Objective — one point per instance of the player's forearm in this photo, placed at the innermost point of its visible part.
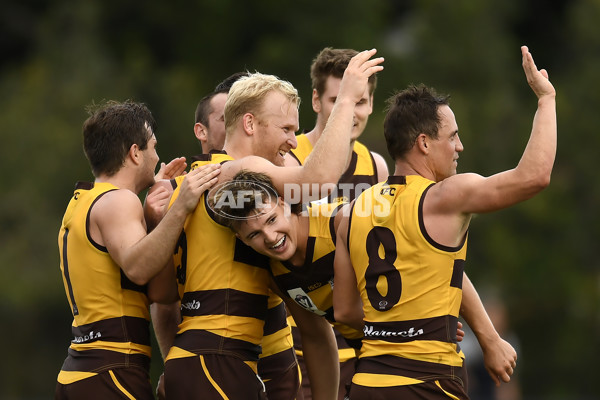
(474, 314)
(163, 287)
(535, 166)
(149, 256)
(322, 362)
(165, 321)
(329, 157)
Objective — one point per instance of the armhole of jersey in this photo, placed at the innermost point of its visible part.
(295, 158)
(432, 242)
(332, 222)
(87, 223)
(350, 222)
(349, 172)
(374, 164)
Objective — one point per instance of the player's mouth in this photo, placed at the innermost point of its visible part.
(280, 243)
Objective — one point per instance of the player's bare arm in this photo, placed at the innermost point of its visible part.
(319, 349)
(323, 166)
(472, 193)
(347, 305)
(500, 357)
(382, 168)
(142, 256)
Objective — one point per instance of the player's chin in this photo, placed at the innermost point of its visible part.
(278, 161)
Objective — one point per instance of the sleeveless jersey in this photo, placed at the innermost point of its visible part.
(110, 313)
(223, 286)
(277, 344)
(410, 286)
(360, 175)
(311, 285)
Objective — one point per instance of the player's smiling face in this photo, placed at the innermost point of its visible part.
(275, 128)
(445, 150)
(325, 102)
(270, 231)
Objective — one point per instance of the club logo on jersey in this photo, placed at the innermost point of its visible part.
(390, 191)
(304, 300)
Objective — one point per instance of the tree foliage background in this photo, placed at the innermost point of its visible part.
(539, 257)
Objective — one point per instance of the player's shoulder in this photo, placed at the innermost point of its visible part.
(381, 166)
(116, 205)
(119, 197)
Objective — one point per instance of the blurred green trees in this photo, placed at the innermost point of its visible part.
(539, 256)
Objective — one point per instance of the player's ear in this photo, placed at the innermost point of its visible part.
(249, 122)
(134, 154)
(200, 132)
(423, 143)
(316, 101)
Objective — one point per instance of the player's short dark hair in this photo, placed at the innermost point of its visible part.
(333, 62)
(411, 112)
(111, 129)
(203, 107)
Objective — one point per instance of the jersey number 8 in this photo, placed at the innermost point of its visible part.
(382, 267)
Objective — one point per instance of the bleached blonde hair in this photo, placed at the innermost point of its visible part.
(248, 93)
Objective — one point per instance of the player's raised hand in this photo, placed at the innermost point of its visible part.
(537, 79)
(357, 73)
(174, 168)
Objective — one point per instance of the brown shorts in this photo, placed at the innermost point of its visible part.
(120, 383)
(281, 375)
(443, 389)
(212, 377)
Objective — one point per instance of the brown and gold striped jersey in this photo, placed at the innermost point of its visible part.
(410, 286)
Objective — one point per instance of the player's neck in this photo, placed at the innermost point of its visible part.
(122, 180)
(406, 167)
(302, 229)
(236, 149)
(314, 135)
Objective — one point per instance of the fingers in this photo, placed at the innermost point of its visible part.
(507, 374)
(528, 64)
(503, 374)
(494, 377)
(195, 183)
(174, 168)
(161, 172)
(537, 79)
(208, 170)
(204, 176)
(159, 194)
(460, 334)
(363, 62)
